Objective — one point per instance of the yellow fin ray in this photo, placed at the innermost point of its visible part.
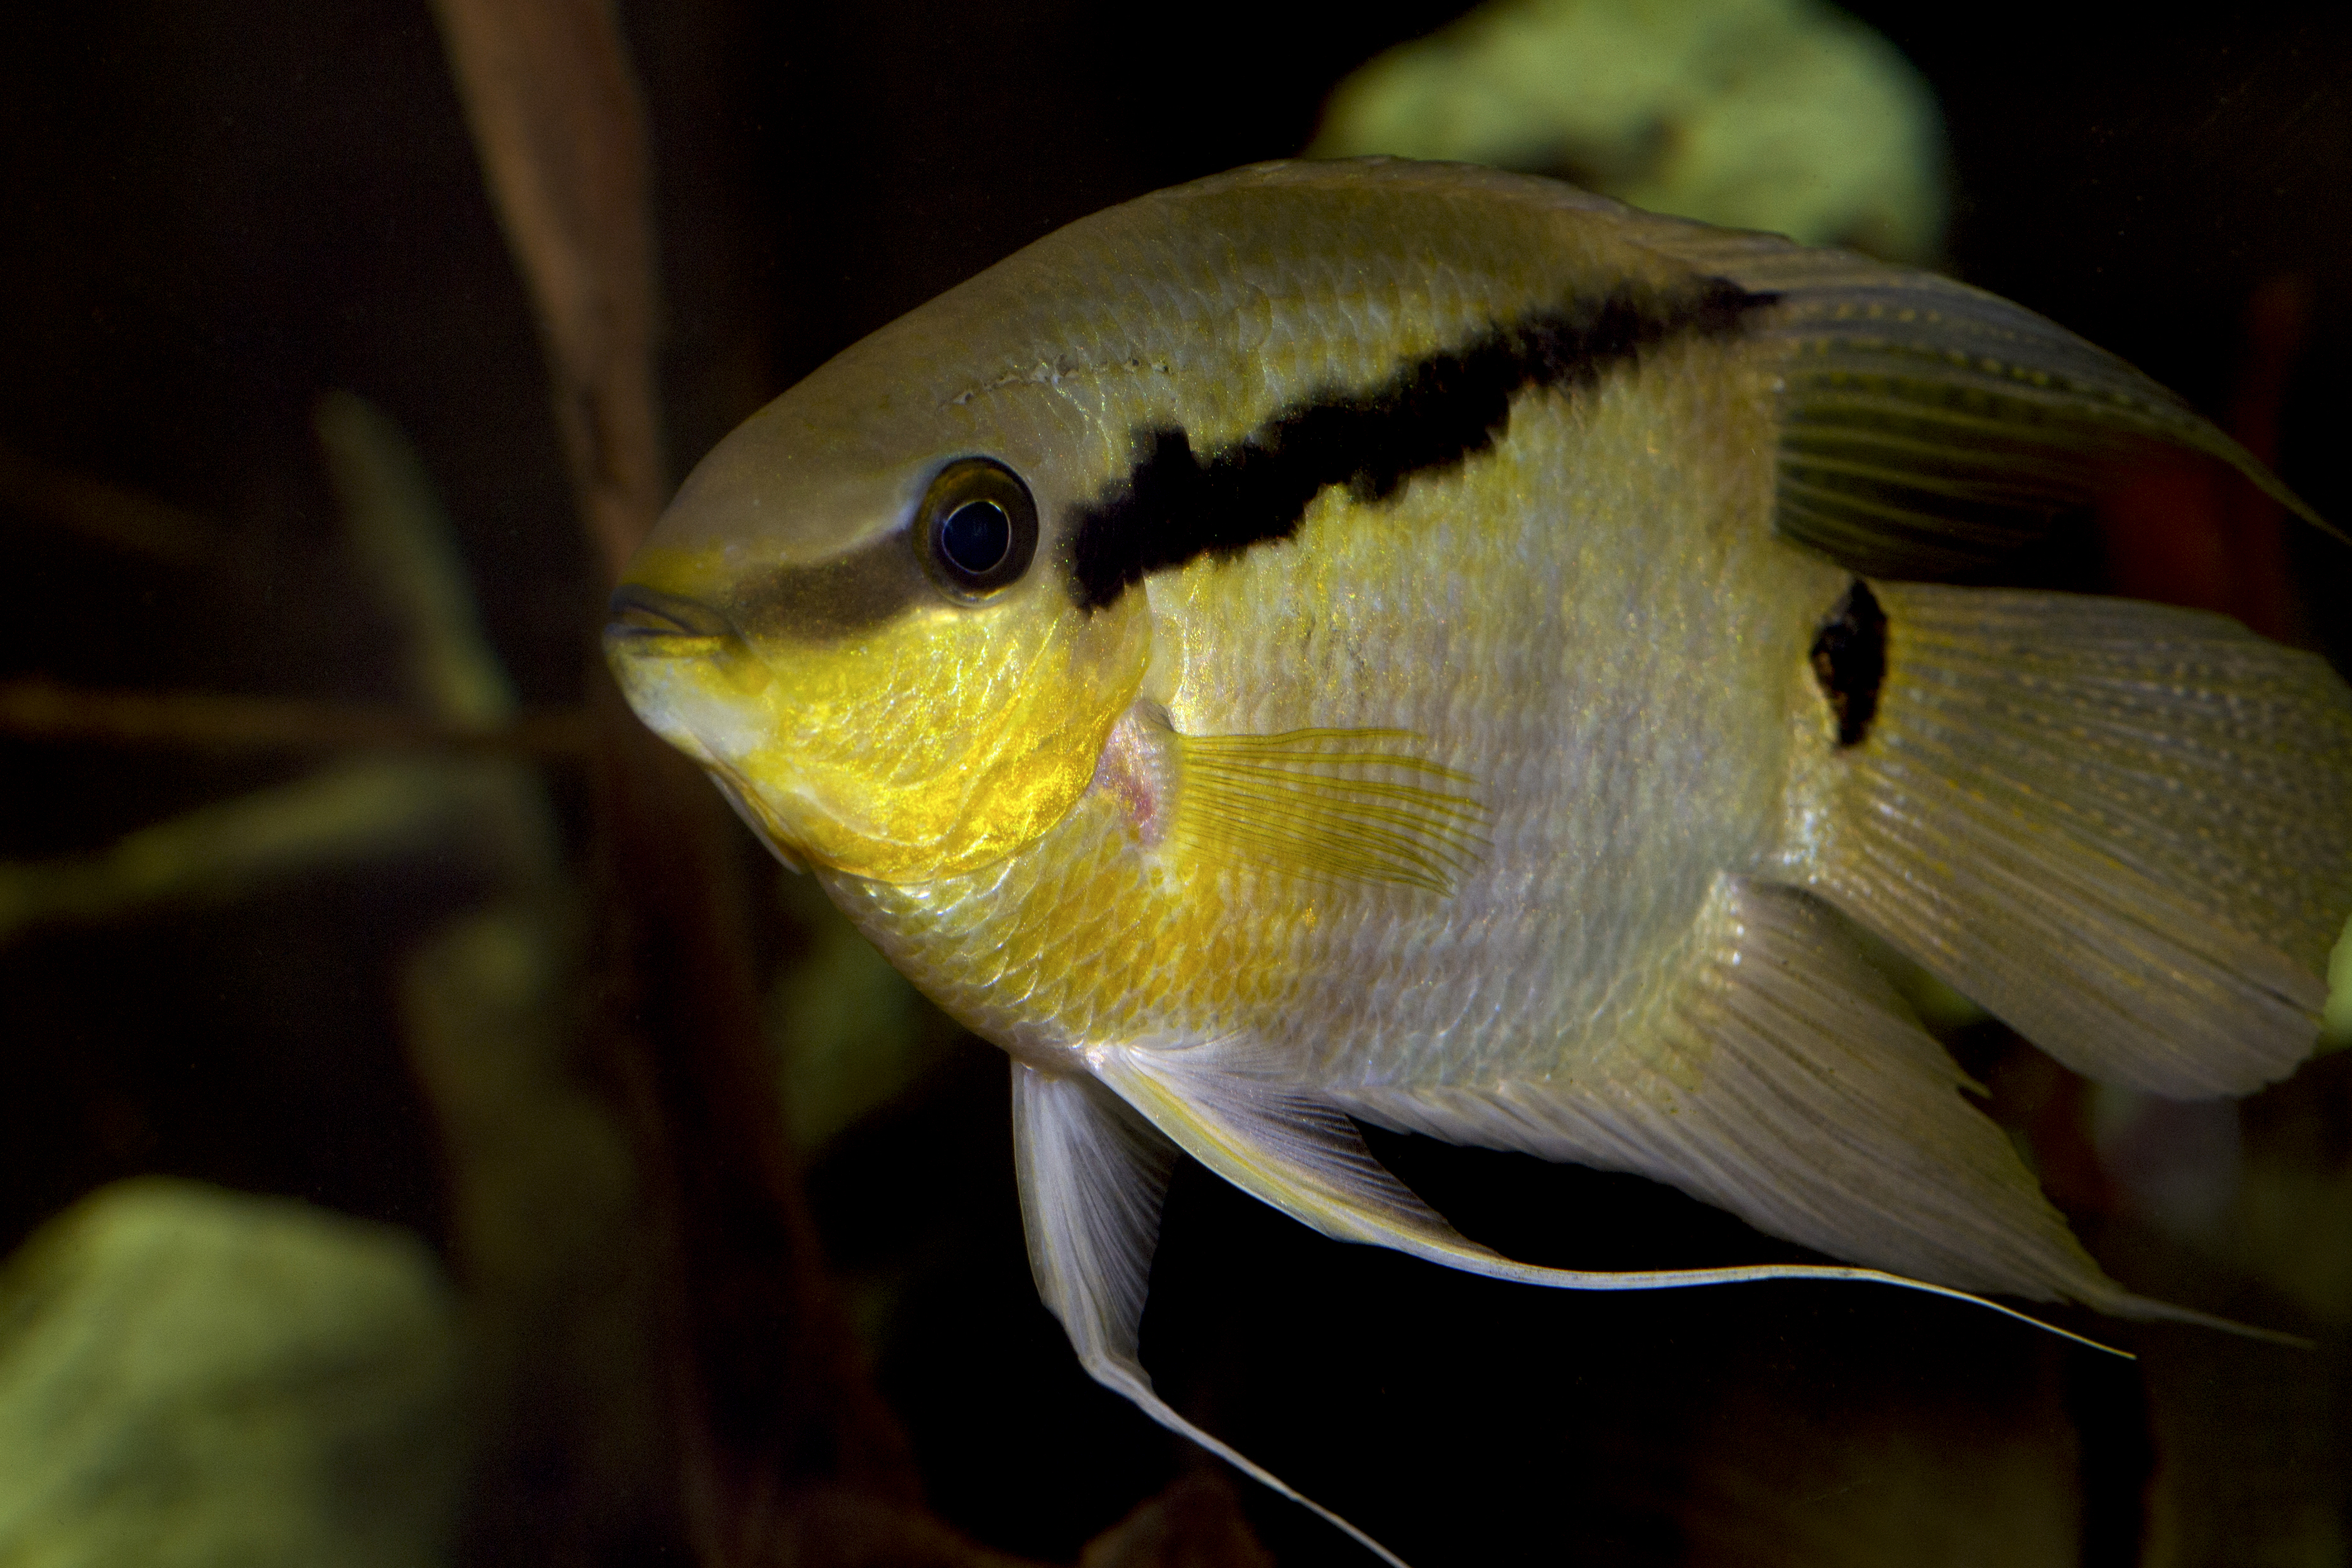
(1345, 804)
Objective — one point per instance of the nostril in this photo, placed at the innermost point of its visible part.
(640, 613)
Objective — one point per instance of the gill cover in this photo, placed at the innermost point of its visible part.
(847, 617)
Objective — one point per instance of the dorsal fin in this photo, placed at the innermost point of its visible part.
(1930, 429)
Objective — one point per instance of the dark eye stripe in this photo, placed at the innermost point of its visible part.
(834, 599)
(855, 592)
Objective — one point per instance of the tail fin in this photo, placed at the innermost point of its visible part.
(2124, 830)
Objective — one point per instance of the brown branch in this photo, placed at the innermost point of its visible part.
(772, 1394)
(560, 131)
(43, 709)
(771, 1403)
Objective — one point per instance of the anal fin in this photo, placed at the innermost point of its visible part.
(1788, 1083)
(1296, 1150)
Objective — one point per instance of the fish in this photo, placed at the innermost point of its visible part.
(1379, 643)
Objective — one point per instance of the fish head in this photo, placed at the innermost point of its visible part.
(856, 614)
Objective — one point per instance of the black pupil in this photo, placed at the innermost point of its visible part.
(976, 536)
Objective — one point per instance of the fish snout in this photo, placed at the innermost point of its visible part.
(688, 672)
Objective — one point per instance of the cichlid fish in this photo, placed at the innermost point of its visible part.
(1406, 644)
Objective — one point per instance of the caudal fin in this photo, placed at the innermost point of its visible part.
(2124, 830)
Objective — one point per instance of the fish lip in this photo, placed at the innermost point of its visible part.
(647, 620)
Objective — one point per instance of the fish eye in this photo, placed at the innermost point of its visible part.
(976, 537)
(977, 527)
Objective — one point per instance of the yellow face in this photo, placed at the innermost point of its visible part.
(872, 651)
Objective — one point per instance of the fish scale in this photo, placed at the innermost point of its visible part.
(1542, 697)
(1464, 656)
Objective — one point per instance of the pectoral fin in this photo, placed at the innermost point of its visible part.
(1344, 805)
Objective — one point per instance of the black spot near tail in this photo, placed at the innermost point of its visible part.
(1850, 662)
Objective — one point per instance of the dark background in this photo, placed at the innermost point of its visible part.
(209, 215)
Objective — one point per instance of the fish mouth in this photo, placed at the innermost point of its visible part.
(647, 621)
(681, 664)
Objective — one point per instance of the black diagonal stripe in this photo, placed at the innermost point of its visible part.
(1176, 504)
